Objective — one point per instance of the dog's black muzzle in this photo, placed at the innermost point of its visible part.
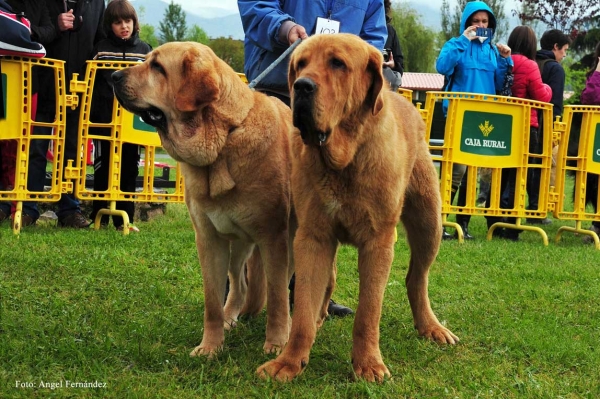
(150, 115)
(305, 90)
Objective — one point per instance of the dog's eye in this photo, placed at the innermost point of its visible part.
(300, 65)
(157, 67)
(336, 63)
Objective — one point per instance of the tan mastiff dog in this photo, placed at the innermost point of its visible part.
(233, 146)
(359, 165)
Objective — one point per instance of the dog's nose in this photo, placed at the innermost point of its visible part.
(117, 76)
(304, 86)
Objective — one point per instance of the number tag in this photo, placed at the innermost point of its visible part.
(327, 26)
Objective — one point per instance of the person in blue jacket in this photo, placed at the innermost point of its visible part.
(271, 27)
(472, 64)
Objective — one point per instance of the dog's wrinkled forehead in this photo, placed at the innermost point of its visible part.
(336, 51)
(173, 60)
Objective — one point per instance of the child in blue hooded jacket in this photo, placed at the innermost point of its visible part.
(472, 64)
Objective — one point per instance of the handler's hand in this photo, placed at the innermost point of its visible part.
(297, 32)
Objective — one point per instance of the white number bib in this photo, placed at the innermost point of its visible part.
(327, 26)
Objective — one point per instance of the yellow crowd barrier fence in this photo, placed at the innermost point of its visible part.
(580, 170)
(123, 128)
(487, 131)
(18, 123)
(481, 131)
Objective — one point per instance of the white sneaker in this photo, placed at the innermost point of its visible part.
(132, 229)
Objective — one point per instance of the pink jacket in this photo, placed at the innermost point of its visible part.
(528, 83)
(591, 94)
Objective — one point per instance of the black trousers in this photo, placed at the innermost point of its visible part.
(130, 158)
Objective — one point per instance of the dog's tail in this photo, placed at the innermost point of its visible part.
(256, 295)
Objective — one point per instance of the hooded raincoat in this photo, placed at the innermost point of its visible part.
(470, 65)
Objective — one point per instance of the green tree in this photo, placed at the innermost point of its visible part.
(229, 50)
(146, 31)
(559, 14)
(173, 27)
(196, 34)
(451, 21)
(148, 35)
(417, 41)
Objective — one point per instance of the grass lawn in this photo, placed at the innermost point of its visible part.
(125, 311)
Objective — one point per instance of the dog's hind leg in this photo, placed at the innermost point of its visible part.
(256, 296)
(240, 252)
(421, 216)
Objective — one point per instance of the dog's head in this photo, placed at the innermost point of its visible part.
(335, 81)
(175, 90)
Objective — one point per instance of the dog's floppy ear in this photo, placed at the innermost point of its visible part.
(195, 87)
(375, 68)
(292, 74)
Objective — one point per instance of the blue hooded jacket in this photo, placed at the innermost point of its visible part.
(262, 20)
(469, 65)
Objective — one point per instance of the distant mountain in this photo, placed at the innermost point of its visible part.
(214, 21)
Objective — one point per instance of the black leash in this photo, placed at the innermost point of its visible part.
(274, 64)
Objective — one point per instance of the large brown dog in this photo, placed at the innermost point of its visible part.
(359, 164)
(233, 145)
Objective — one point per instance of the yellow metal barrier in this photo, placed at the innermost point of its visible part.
(17, 79)
(124, 127)
(486, 131)
(575, 173)
(406, 93)
(243, 77)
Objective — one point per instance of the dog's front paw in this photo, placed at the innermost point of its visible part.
(440, 334)
(206, 350)
(370, 371)
(281, 370)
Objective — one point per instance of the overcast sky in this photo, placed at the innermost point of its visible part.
(232, 4)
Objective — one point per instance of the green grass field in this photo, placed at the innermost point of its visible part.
(91, 306)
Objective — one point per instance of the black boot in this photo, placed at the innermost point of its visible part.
(336, 310)
(499, 231)
(463, 222)
(446, 235)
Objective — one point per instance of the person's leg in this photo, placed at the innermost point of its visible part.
(101, 170)
(511, 234)
(534, 175)
(129, 172)
(69, 211)
(484, 185)
(508, 177)
(463, 219)
(591, 195)
(36, 171)
(5, 210)
(499, 232)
